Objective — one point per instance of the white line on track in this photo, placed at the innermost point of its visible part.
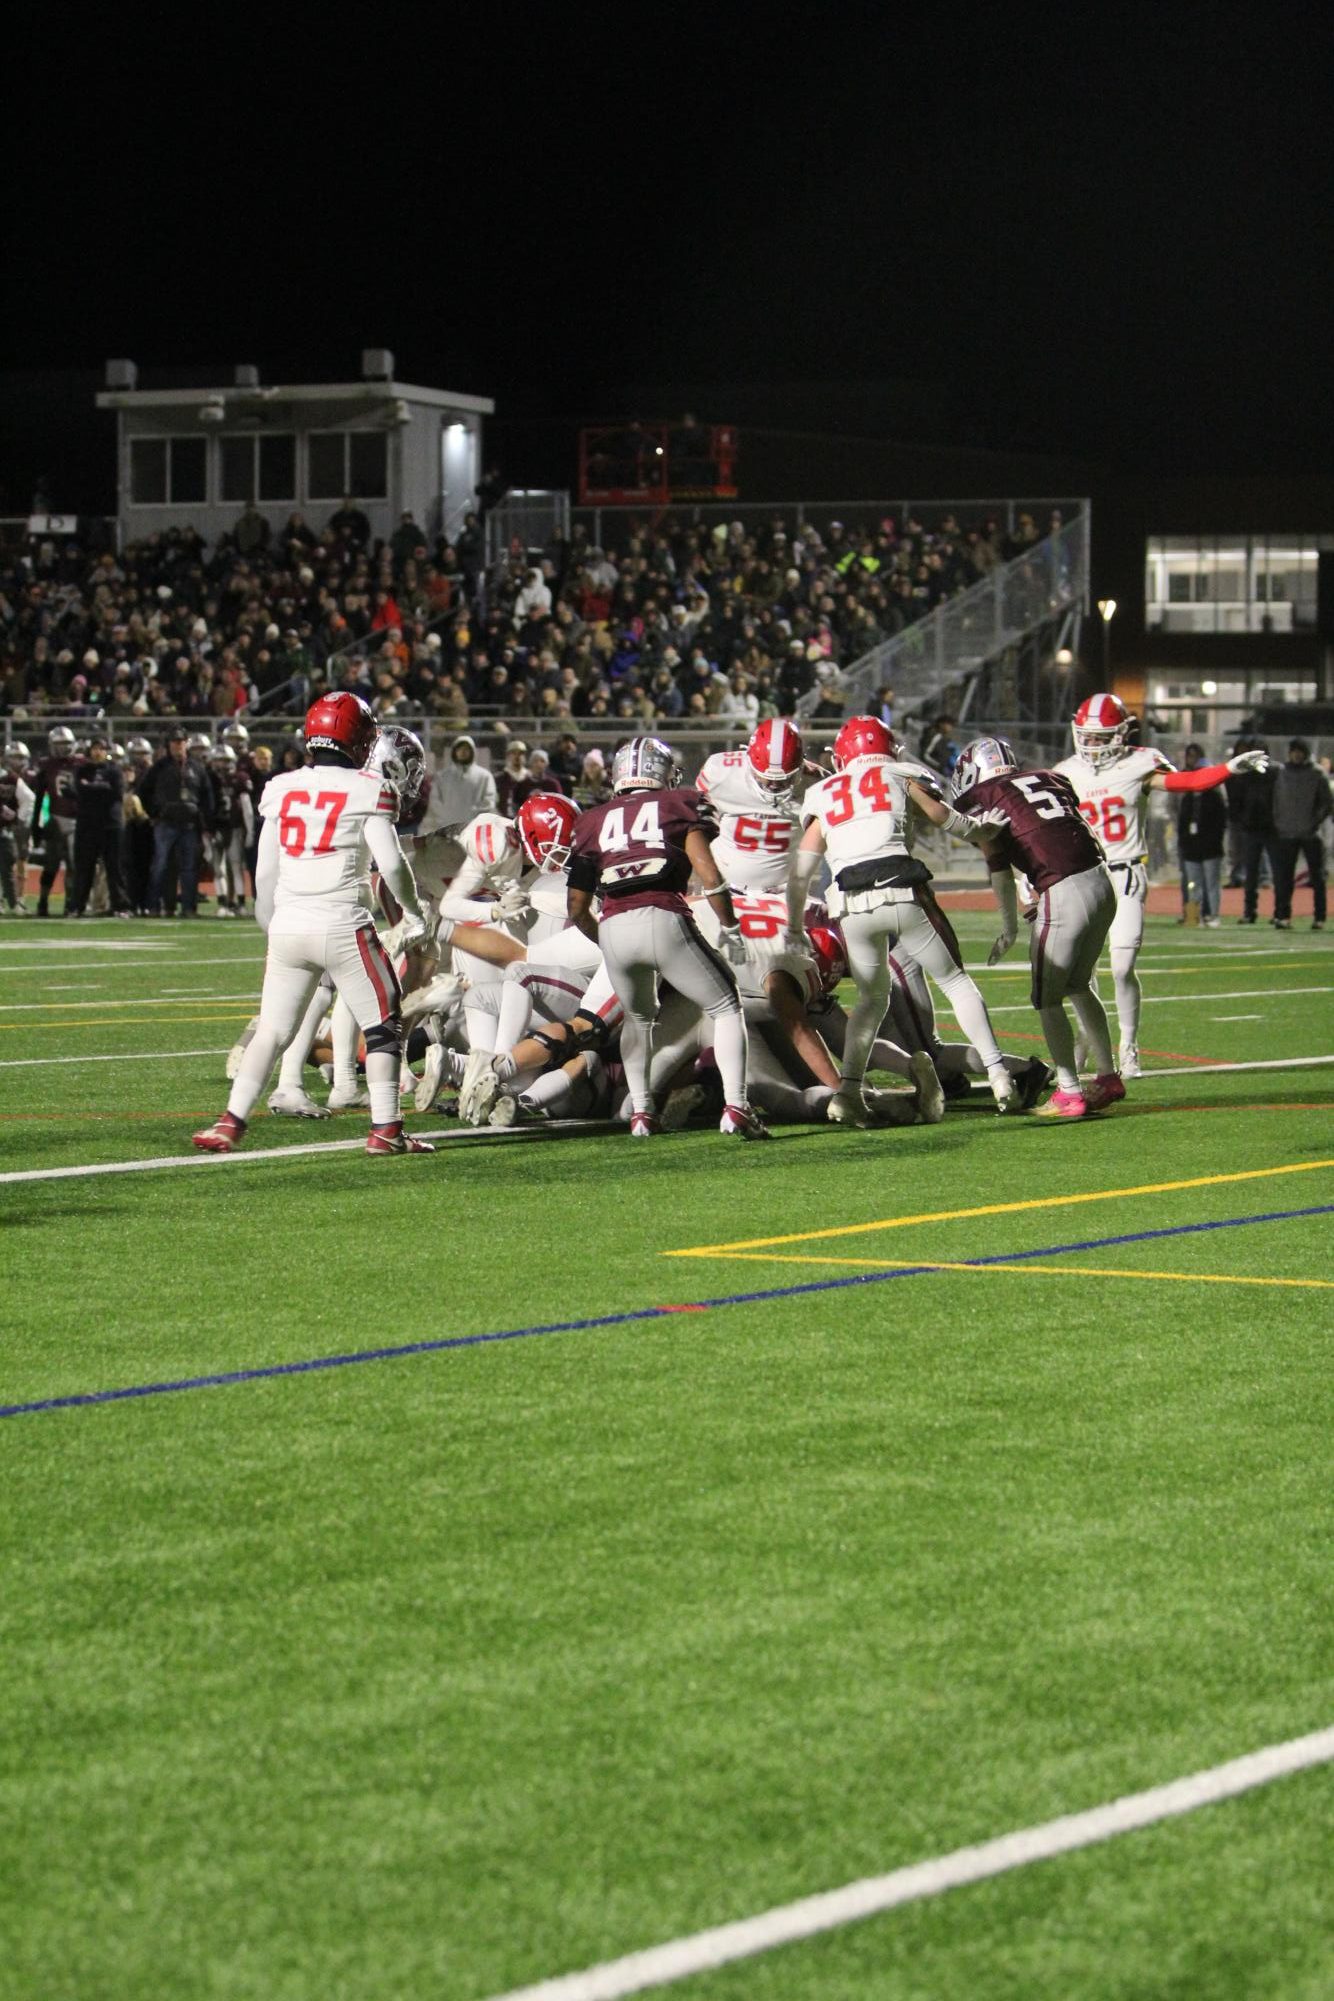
(701, 1952)
(1236, 1017)
(127, 1056)
(167, 1000)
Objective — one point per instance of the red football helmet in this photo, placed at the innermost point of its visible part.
(863, 736)
(546, 824)
(828, 952)
(1101, 729)
(341, 722)
(775, 754)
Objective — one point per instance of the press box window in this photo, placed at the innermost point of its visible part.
(347, 462)
(259, 467)
(164, 470)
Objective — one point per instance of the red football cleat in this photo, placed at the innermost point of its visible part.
(740, 1122)
(1063, 1105)
(393, 1139)
(644, 1125)
(1104, 1091)
(221, 1137)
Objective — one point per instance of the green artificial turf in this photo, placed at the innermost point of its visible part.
(437, 1674)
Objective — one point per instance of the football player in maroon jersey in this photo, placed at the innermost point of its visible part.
(55, 790)
(1039, 829)
(638, 851)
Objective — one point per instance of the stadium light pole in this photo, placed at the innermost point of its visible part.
(1107, 612)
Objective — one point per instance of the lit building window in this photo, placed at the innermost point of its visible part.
(1232, 583)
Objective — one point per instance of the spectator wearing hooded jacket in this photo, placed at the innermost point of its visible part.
(461, 788)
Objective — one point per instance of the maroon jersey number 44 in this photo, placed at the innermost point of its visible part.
(1038, 824)
(633, 848)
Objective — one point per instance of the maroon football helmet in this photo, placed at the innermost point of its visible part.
(341, 722)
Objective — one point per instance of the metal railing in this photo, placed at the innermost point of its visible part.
(530, 516)
(611, 526)
(955, 641)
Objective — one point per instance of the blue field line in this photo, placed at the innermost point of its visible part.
(318, 1362)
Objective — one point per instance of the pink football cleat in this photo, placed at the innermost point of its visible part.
(740, 1122)
(222, 1136)
(1063, 1105)
(1104, 1091)
(393, 1139)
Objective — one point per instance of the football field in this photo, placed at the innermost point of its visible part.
(429, 1577)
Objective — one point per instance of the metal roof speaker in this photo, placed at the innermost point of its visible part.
(122, 375)
(245, 375)
(377, 364)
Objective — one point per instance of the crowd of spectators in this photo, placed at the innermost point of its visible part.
(680, 622)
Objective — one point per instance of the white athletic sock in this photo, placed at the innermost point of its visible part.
(343, 1034)
(636, 1055)
(1092, 1018)
(1061, 1042)
(253, 1074)
(1128, 993)
(970, 1011)
(480, 1027)
(729, 1049)
(292, 1071)
(382, 1086)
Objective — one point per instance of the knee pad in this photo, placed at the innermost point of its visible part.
(554, 1040)
(590, 1032)
(385, 1039)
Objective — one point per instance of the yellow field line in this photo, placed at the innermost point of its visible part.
(1054, 1271)
(1001, 1209)
(158, 1021)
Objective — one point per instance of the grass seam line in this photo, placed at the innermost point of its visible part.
(830, 1910)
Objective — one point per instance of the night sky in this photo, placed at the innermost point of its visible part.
(1113, 242)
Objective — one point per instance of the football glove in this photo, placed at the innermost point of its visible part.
(1249, 760)
(733, 944)
(511, 902)
(1000, 948)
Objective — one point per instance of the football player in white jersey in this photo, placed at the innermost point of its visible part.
(325, 827)
(752, 793)
(862, 817)
(1113, 779)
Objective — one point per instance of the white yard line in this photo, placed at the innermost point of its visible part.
(1218, 1069)
(264, 1156)
(144, 1000)
(1236, 1017)
(179, 964)
(701, 1952)
(130, 1056)
(1159, 1000)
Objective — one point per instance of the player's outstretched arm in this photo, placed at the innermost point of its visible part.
(940, 815)
(1206, 776)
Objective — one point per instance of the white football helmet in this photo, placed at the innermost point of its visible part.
(61, 742)
(644, 763)
(987, 757)
(1101, 729)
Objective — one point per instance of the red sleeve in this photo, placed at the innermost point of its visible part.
(1203, 780)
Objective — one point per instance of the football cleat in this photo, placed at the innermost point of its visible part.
(848, 1107)
(221, 1137)
(1127, 1060)
(740, 1122)
(1003, 1091)
(350, 1098)
(443, 995)
(479, 1089)
(930, 1097)
(1064, 1105)
(955, 1085)
(1032, 1081)
(1105, 1091)
(238, 1049)
(296, 1105)
(644, 1125)
(393, 1139)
